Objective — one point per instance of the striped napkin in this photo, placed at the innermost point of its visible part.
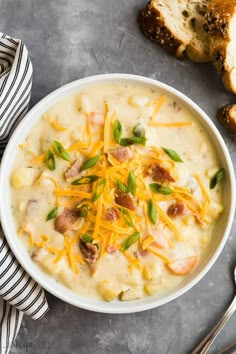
(19, 293)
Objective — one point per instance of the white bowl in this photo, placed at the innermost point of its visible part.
(49, 283)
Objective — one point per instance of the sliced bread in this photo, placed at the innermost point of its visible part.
(220, 24)
(177, 26)
(227, 117)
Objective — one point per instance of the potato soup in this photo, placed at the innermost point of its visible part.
(116, 192)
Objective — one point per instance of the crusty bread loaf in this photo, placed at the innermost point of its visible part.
(227, 117)
(220, 24)
(177, 25)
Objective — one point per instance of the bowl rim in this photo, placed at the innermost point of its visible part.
(95, 79)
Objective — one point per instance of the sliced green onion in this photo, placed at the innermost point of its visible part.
(159, 188)
(152, 211)
(50, 160)
(217, 178)
(61, 151)
(84, 208)
(85, 180)
(130, 241)
(139, 130)
(173, 155)
(132, 186)
(52, 214)
(133, 140)
(99, 189)
(90, 163)
(127, 217)
(117, 131)
(122, 186)
(87, 238)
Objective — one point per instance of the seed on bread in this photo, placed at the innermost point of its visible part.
(227, 117)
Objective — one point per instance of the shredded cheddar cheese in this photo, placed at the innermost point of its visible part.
(39, 158)
(158, 254)
(147, 242)
(107, 128)
(54, 124)
(27, 231)
(170, 124)
(158, 103)
(26, 148)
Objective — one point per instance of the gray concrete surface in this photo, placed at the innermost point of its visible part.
(71, 39)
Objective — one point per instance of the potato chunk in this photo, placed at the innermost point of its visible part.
(153, 271)
(108, 291)
(45, 259)
(214, 210)
(66, 276)
(132, 294)
(22, 177)
(138, 101)
(151, 288)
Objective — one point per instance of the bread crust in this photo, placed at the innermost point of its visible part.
(217, 24)
(153, 26)
(218, 16)
(227, 117)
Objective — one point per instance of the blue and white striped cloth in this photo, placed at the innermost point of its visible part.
(19, 293)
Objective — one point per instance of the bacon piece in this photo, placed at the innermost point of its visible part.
(90, 253)
(66, 220)
(143, 253)
(73, 171)
(126, 200)
(176, 209)
(159, 174)
(183, 266)
(111, 249)
(96, 118)
(111, 214)
(121, 154)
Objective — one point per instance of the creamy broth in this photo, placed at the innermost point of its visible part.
(143, 221)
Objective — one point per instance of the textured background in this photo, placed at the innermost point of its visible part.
(71, 39)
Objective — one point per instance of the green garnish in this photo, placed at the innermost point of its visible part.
(117, 131)
(87, 238)
(127, 217)
(133, 140)
(152, 211)
(52, 214)
(139, 130)
(122, 186)
(61, 151)
(130, 241)
(217, 178)
(99, 189)
(132, 186)
(84, 208)
(89, 163)
(50, 160)
(85, 180)
(173, 155)
(159, 188)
